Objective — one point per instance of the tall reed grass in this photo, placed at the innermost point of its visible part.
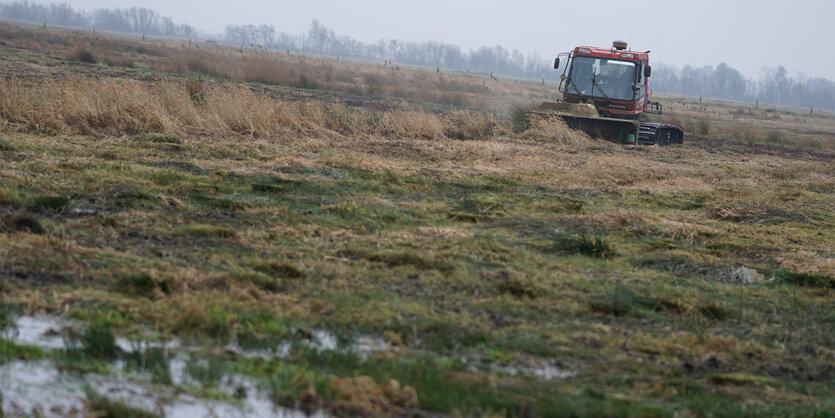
(111, 106)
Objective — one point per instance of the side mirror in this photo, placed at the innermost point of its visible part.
(647, 71)
(557, 63)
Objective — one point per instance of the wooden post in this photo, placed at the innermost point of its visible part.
(811, 110)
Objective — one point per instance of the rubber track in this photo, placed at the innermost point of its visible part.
(659, 133)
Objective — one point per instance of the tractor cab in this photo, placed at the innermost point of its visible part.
(615, 80)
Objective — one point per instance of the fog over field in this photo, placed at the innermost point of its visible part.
(747, 35)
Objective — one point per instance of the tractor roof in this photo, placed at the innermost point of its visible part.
(607, 53)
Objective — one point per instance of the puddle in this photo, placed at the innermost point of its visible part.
(319, 340)
(539, 368)
(83, 211)
(160, 376)
(544, 372)
(40, 331)
(38, 388)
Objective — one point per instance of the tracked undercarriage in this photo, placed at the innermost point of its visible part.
(585, 117)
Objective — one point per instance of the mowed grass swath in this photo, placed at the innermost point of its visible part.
(502, 266)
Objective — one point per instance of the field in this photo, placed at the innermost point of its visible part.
(192, 225)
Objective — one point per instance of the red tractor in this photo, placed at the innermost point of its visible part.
(605, 91)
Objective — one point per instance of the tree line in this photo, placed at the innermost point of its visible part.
(323, 41)
(774, 85)
(135, 20)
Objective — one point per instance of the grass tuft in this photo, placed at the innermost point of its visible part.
(206, 231)
(23, 223)
(9, 197)
(281, 270)
(398, 259)
(585, 244)
(99, 341)
(143, 284)
(96, 341)
(803, 279)
(155, 361)
(104, 407)
(518, 287)
(620, 301)
(207, 372)
(160, 139)
(81, 53)
(5, 145)
(50, 202)
(520, 118)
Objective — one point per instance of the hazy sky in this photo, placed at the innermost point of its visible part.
(748, 35)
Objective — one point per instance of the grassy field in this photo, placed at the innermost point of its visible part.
(501, 269)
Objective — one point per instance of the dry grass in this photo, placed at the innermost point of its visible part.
(349, 77)
(745, 122)
(556, 130)
(354, 78)
(80, 105)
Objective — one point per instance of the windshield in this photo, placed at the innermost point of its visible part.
(600, 77)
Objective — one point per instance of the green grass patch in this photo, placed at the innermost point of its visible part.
(519, 287)
(11, 351)
(584, 244)
(157, 138)
(207, 372)
(23, 223)
(50, 202)
(476, 210)
(5, 145)
(803, 279)
(9, 197)
(280, 270)
(99, 341)
(145, 285)
(206, 231)
(215, 202)
(152, 360)
(742, 379)
(398, 259)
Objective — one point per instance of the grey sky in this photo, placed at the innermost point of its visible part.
(748, 35)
